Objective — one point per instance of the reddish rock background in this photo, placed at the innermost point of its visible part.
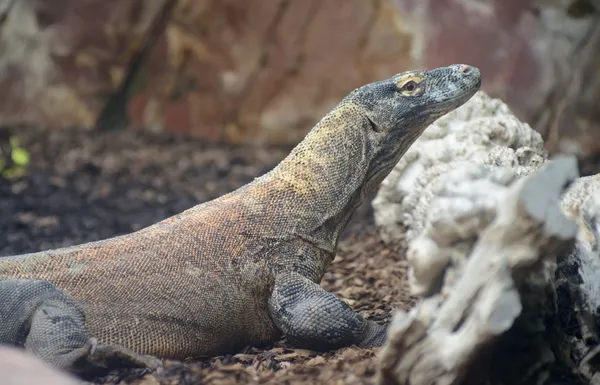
(266, 71)
(60, 60)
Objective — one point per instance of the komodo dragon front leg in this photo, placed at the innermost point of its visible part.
(313, 318)
(36, 315)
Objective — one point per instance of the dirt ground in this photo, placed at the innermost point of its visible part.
(83, 187)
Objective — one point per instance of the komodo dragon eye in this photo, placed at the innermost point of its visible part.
(410, 86)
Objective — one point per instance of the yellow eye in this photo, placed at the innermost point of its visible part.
(410, 86)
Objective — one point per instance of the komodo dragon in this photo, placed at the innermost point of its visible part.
(243, 269)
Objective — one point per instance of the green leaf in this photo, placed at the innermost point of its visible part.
(13, 173)
(20, 157)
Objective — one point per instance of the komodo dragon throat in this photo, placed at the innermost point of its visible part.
(243, 269)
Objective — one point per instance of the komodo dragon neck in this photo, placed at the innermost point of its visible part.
(326, 177)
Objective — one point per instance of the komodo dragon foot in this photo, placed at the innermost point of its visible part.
(313, 318)
(35, 315)
(105, 357)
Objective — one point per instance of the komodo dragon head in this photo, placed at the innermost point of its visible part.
(352, 149)
(399, 109)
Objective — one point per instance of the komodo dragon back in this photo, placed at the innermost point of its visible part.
(240, 270)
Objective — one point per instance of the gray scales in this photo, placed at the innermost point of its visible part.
(243, 269)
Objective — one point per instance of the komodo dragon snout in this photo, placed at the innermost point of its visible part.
(410, 101)
(240, 270)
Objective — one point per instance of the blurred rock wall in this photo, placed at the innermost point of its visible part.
(266, 71)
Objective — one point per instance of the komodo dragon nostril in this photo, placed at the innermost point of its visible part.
(464, 69)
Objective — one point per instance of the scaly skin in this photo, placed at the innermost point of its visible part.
(239, 270)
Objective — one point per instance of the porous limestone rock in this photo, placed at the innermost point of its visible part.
(483, 131)
(578, 281)
(481, 265)
(503, 251)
